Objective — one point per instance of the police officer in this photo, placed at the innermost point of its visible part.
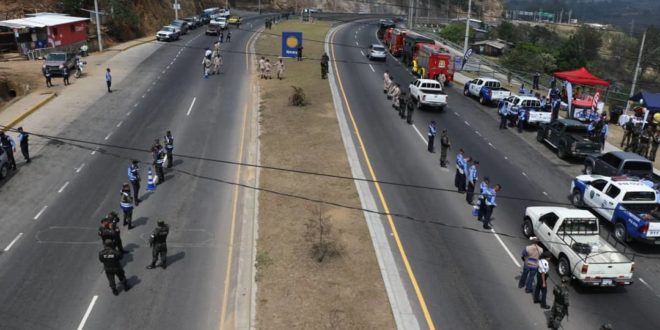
(644, 141)
(9, 146)
(433, 130)
(324, 65)
(402, 104)
(521, 120)
(387, 81)
(655, 142)
(169, 147)
(634, 142)
(445, 144)
(489, 199)
(158, 242)
(65, 76)
(471, 181)
(627, 132)
(134, 179)
(395, 95)
(111, 221)
(159, 157)
(110, 258)
(560, 305)
(504, 113)
(410, 108)
(23, 142)
(460, 174)
(126, 203)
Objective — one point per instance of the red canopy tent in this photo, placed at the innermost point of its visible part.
(581, 77)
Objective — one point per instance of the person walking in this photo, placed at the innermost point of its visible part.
(509, 76)
(221, 37)
(280, 69)
(228, 37)
(65, 75)
(445, 144)
(262, 68)
(433, 130)
(491, 204)
(134, 179)
(169, 148)
(541, 290)
(108, 79)
(126, 203)
(158, 243)
(110, 258)
(410, 108)
(267, 69)
(655, 142)
(471, 181)
(387, 81)
(206, 64)
(460, 174)
(23, 142)
(560, 304)
(530, 256)
(9, 146)
(535, 80)
(300, 53)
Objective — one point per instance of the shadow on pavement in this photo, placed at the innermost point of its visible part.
(132, 281)
(141, 221)
(175, 257)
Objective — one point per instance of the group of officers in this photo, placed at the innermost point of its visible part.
(109, 231)
(405, 105)
(641, 140)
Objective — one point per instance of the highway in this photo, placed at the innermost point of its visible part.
(50, 274)
(467, 276)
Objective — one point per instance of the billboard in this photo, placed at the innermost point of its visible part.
(290, 43)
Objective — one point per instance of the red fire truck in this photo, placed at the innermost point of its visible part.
(386, 37)
(434, 62)
(396, 41)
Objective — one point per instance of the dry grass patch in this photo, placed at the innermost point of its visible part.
(317, 268)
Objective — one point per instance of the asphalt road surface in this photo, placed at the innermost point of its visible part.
(51, 277)
(467, 275)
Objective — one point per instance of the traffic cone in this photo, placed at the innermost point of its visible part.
(150, 181)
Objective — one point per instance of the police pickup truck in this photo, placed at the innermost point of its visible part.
(626, 203)
(428, 93)
(531, 105)
(489, 91)
(572, 237)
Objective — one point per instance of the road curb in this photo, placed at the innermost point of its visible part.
(131, 46)
(30, 110)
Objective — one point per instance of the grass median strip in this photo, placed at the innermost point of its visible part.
(316, 268)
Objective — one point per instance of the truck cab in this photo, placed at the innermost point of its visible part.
(410, 42)
(487, 90)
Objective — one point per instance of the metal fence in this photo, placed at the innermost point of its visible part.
(40, 53)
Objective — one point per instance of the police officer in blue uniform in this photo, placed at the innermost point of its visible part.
(459, 178)
(169, 148)
(134, 179)
(126, 203)
(521, 120)
(159, 157)
(504, 113)
(9, 146)
(491, 204)
(471, 181)
(23, 142)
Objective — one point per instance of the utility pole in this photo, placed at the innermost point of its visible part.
(570, 13)
(98, 25)
(637, 70)
(428, 13)
(467, 28)
(632, 27)
(176, 9)
(561, 16)
(410, 13)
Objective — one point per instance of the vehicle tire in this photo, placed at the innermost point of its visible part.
(539, 135)
(588, 169)
(466, 92)
(482, 101)
(576, 198)
(528, 228)
(621, 233)
(563, 266)
(4, 170)
(76, 74)
(561, 152)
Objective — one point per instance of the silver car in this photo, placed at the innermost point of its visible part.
(377, 52)
(4, 164)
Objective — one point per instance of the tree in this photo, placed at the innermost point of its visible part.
(588, 40)
(455, 32)
(529, 57)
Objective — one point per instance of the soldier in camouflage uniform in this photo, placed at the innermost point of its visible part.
(158, 241)
(560, 305)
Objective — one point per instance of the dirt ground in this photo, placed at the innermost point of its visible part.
(21, 76)
(295, 291)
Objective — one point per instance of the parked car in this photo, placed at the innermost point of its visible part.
(489, 91)
(617, 163)
(181, 24)
(56, 61)
(193, 22)
(376, 52)
(212, 29)
(4, 164)
(572, 238)
(569, 137)
(221, 22)
(168, 33)
(428, 93)
(234, 19)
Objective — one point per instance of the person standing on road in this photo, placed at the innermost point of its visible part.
(471, 181)
(509, 76)
(65, 76)
(522, 114)
(280, 69)
(106, 233)
(541, 290)
(655, 142)
(126, 203)
(644, 141)
(108, 79)
(9, 146)
(228, 36)
(158, 155)
(460, 175)
(560, 304)
(504, 113)
(403, 99)
(134, 179)
(110, 258)
(490, 205)
(445, 144)
(604, 130)
(158, 242)
(433, 130)
(23, 142)
(396, 92)
(206, 64)
(386, 81)
(48, 77)
(221, 37)
(410, 108)
(169, 148)
(530, 256)
(628, 128)
(113, 219)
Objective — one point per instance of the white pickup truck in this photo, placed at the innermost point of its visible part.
(571, 235)
(487, 90)
(428, 93)
(531, 105)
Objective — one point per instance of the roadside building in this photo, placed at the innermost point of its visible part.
(496, 47)
(43, 31)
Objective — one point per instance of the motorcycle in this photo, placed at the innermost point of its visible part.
(80, 68)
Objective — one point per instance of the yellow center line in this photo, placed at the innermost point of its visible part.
(390, 220)
(234, 211)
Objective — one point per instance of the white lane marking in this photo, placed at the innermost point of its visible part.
(546, 194)
(356, 43)
(191, 106)
(12, 242)
(63, 187)
(523, 173)
(515, 261)
(361, 52)
(457, 114)
(466, 123)
(93, 152)
(135, 105)
(505, 157)
(421, 136)
(143, 95)
(372, 68)
(153, 83)
(40, 212)
(128, 113)
(491, 145)
(170, 64)
(108, 136)
(167, 67)
(477, 132)
(162, 72)
(119, 124)
(89, 311)
(148, 89)
(80, 168)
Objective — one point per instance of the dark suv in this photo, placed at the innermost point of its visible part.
(618, 163)
(56, 61)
